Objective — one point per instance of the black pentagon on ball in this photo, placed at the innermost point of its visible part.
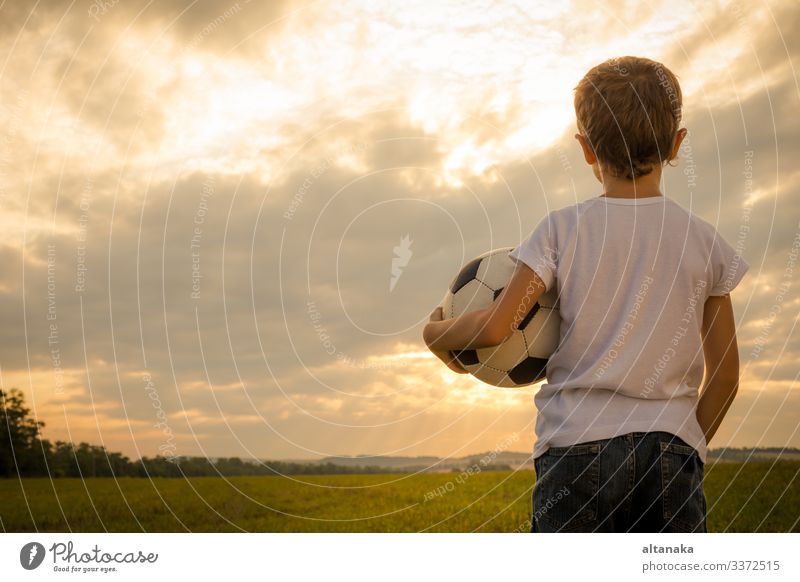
(528, 370)
(527, 319)
(467, 274)
(467, 357)
(497, 292)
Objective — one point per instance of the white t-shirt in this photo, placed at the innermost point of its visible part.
(632, 276)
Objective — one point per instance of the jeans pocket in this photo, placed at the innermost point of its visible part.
(683, 500)
(565, 496)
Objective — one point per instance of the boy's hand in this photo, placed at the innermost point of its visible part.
(446, 356)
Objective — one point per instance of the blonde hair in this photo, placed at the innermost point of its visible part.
(629, 108)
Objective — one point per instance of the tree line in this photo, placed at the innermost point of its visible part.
(24, 453)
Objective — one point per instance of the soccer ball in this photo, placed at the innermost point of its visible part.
(522, 358)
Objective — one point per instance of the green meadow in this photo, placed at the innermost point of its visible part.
(742, 497)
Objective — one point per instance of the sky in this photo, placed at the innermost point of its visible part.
(200, 202)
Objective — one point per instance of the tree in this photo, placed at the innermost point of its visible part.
(21, 450)
(24, 453)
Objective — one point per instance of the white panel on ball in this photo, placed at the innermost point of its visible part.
(507, 355)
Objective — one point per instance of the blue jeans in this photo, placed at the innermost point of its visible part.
(636, 482)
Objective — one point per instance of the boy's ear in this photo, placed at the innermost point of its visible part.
(588, 152)
(676, 145)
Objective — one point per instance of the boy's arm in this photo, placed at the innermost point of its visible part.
(721, 356)
(491, 326)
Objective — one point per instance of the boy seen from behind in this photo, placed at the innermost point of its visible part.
(647, 364)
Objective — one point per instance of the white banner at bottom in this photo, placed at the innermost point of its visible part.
(399, 557)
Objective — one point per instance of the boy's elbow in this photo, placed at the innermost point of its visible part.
(732, 391)
(728, 382)
(730, 378)
(488, 340)
(492, 334)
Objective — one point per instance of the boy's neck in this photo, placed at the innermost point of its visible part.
(644, 187)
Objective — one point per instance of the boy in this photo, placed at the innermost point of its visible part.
(623, 422)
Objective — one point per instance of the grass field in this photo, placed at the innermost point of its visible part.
(761, 497)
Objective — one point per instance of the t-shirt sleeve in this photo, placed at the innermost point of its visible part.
(539, 251)
(728, 267)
